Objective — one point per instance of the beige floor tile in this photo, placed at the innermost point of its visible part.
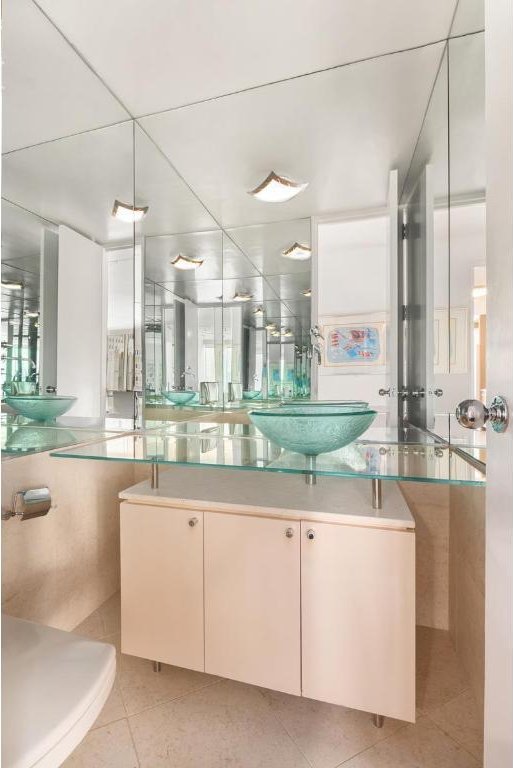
(422, 745)
(326, 734)
(228, 724)
(141, 687)
(440, 677)
(91, 627)
(110, 612)
(113, 710)
(107, 747)
(460, 719)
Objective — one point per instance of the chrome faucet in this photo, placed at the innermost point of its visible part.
(188, 372)
(316, 338)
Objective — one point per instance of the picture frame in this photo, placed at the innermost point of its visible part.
(355, 346)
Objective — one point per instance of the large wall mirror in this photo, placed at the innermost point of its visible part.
(142, 280)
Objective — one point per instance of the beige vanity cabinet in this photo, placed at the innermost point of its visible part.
(252, 600)
(312, 594)
(358, 609)
(162, 584)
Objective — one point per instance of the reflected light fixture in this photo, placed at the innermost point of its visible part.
(185, 262)
(14, 285)
(297, 252)
(288, 333)
(275, 333)
(258, 311)
(307, 292)
(277, 189)
(128, 213)
(35, 313)
(270, 327)
(242, 296)
(479, 292)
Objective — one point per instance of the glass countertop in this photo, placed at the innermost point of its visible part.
(369, 458)
(21, 436)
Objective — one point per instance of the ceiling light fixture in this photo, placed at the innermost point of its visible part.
(275, 333)
(288, 333)
(297, 252)
(258, 311)
(128, 213)
(32, 314)
(277, 189)
(242, 296)
(307, 292)
(185, 262)
(12, 284)
(270, 327)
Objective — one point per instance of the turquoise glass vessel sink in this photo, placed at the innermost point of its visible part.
(40, 407)
(180, 396)
(250, 394)
(312, 429)
(356, 405)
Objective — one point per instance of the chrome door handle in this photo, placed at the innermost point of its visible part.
(473, 414)
(289, 533)
(310, 534)
(193, 521)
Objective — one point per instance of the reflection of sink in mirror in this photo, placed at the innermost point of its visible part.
(23, 388)
(251, 394)
(180, 397)
(32, 439)
(40, 407)
(312, 430)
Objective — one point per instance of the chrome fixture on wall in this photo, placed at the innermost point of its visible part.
(34, 502)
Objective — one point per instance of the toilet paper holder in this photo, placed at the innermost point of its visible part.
(35, 502)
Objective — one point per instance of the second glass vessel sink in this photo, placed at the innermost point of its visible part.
(180, 396)
(311, 429)
(40, 407)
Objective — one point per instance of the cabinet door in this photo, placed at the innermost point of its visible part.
(162, 584)
(252, 603)
(358, 618)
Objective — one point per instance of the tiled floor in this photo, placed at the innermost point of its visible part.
(182, 719)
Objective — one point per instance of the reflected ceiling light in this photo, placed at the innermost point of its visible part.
(258, 311)
(185, 262)
(128, 213)
(275, 333)
(288, 333)
(14, 285)
(307, 292)
(32, 314)
(479, 292)
(298, 252)
(270, 327)
(277, 189)
(242, 296)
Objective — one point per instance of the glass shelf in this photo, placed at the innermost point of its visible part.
(432, 463)
(21, 436)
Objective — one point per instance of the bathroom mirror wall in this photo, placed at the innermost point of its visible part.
(444, 254)
(68, 317)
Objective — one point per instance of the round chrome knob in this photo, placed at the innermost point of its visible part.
(310, 534)
(473, 414)
(384, 392)
(193, 521)
(436, 392)
(289, 533)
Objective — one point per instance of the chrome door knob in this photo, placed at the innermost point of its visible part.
(436, 392)
(473, 414)
(289, 533)
(193, 521)
(310, 534)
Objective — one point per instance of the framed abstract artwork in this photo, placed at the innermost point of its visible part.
(357, 345)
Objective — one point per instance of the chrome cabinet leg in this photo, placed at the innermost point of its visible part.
(378, 720)
(157, 666)
(377, 493)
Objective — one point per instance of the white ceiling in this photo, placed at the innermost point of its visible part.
(165, 53)
(342, 131)
(48, 92)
